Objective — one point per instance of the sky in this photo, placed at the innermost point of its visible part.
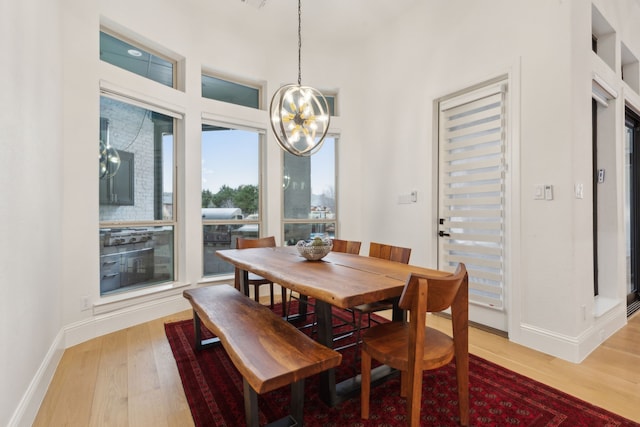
(230, 157)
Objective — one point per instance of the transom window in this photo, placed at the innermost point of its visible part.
(136, 59)
(231, 92)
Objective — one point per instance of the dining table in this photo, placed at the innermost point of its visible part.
(337, 280)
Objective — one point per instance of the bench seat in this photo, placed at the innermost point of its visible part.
(268, 351)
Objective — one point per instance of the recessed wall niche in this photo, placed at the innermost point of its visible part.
(630, 68)
(603, 38)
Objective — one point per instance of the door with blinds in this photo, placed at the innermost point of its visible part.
(471, 197)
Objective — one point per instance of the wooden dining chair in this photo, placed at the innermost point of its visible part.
(255, 280)
(346, 246)
(414, 347)
(388, 252)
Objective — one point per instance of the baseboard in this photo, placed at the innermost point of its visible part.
(126, 317)
(27, 409)
(572, 348)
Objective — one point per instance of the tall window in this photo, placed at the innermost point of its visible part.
(309, 188)
(230, 192)
(137, 219)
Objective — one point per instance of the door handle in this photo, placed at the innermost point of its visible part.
(443, 234)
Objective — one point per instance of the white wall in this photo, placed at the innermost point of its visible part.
(31, 164)
(387, 84)
(545, 49)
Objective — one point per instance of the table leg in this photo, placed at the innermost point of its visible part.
(325, 336)
(330, 392)
(244, 281)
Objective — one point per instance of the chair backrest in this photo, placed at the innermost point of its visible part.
(432, 294)
(346, 246)
(262, 242)
(244, 243)
(388, 252)
(422, 294)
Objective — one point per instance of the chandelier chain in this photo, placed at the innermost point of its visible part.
(299, 42)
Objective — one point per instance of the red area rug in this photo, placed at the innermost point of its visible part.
(499, 397)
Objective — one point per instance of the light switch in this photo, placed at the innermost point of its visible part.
(538, 192)
(579, 190)
(548, 192)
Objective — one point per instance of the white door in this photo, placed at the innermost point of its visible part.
(471, 197)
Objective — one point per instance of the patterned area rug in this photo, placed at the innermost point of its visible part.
(498, 396)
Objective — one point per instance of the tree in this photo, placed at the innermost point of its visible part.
(207, 199)
(246, 198)
(224, 197)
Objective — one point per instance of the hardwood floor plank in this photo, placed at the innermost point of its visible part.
(130, 378)
(110, 400)
(143, 379)
(70, 395)
(173, 400)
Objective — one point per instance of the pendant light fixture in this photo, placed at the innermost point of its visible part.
(109, 161)
(299, 114)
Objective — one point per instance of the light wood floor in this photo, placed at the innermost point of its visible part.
(129, 378)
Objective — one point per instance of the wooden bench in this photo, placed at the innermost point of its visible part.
(268, 351)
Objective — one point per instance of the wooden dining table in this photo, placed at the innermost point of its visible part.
(339, 280)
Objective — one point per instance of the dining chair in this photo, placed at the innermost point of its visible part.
(255, 280)
(388, 252)
(414, 347)
(346, 246)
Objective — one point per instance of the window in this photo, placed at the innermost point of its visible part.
(309, 194)
(227, 91)
(136, 60)
(231, 191)
(136, 197)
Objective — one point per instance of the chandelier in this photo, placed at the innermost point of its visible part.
(299, 114)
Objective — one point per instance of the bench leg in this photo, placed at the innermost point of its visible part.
(199, 342)
(295, 417)
(297, 402)
(251, 412)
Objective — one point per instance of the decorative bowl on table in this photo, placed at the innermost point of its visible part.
(314, 250)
